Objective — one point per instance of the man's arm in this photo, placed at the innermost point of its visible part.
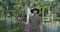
(41, 27)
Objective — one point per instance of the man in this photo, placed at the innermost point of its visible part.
(8, 23)
(35, 21)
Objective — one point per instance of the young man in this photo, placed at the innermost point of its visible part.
(35, 21)
(8, 23)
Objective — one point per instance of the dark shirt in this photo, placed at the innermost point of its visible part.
(34, 22)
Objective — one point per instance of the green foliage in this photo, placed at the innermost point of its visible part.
(19, 7)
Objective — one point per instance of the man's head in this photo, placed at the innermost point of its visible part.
(35, 11)
(9, 16)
